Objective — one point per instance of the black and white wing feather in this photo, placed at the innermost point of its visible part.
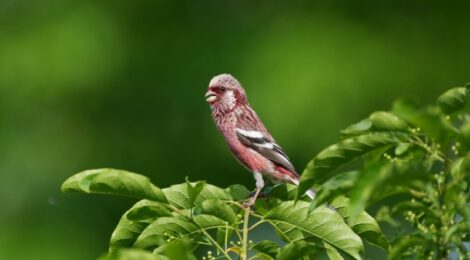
(265, 146)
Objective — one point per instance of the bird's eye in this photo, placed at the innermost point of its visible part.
(222, 89)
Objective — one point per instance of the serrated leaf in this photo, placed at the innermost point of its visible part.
(177, 195)
(217, 208)
(177, 249)
(453, 100)
(267, 247)
(322, 223)
(113, 182)
(127, 230)
(382, 120)
(133, 254)
(284, 191)
(159, 231)
(193, 190)
(358, 128)
(386, 178)
(238, 192)
(323, 166)
(364, 225)
(147, 209)
(331, 253)
(338, 185)
(429, 120)
(126, 233)
(377, 121)
(297, 250)
(209, 221)
(164, 228)
(369, 181)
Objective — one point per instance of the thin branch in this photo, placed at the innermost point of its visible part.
(243, 255)
(216, 244)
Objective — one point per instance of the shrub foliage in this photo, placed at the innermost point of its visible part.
(410, 164)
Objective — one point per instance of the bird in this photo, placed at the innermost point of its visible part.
(247, 137)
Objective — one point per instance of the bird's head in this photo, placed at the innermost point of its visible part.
(225, 92)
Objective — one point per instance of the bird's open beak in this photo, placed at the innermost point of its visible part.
(210, 96)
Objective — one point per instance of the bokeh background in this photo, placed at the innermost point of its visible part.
(89, 84)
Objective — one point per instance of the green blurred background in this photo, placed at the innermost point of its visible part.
(89, 84)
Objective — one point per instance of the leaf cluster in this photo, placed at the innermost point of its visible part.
(196, 218)
(412, 164)
(417, 157)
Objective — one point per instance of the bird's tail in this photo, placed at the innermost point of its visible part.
(310, 192)
(294, 179)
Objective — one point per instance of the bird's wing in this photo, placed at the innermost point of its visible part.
(264, 145)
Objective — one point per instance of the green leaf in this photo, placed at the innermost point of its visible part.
(405, 243)
(387, 121)
(322, 223)
(462, 169)
(416, 206)
(205, 221)
(133, 222)
(386, 178)
(323, 166)
(258, 256)
(338, 185)
(364, 225)
(331, 253)
(238, 192)
(267, 247)
(377, 121)
(114, 182)
(284, 191)
(133, 254)
(358, 128)
(370, 180)
(147, 209)
(193, 190)
(464, 211)
(453, 100)
(126, 233)
(177, 195)
(218, 209)
(402, 148)
(465, 134)
(429, 120)
(159, 231)
(177, 249)
(164, 229)
(297, 250)
(458, 229)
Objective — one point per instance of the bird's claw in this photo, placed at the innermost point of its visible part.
(263, 194)
(250, 203)
(247, 204)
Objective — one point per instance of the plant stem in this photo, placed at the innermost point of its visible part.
(256, 224)
(216, 244)
(243, 254)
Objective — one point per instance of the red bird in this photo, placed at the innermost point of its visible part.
(246, 135)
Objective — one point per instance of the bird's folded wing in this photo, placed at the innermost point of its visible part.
(265, 146)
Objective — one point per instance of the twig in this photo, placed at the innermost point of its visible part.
(243, 254)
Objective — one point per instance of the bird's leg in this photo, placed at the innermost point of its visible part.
(259, 187)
